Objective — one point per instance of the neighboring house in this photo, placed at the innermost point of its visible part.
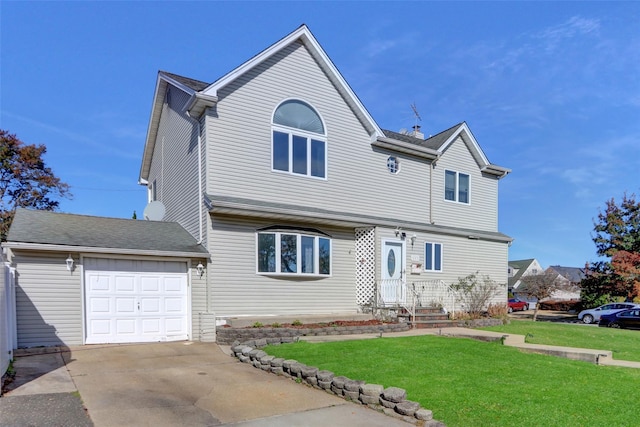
(570, 279)
(519, 269)
(280, 195)
(85, 280)
(305, 204)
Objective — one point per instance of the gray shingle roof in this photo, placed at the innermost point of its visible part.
(433, 142)
(52, 228)
(194, 84)
(572, 274)
(521, 266)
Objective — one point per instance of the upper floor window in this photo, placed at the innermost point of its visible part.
(393, 165)
(433, 256)
(291, 252)
(456, 186)
(299, 144)
(152, 191)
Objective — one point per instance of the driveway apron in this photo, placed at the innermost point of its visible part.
(189, 383)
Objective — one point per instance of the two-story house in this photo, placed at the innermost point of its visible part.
(280, 196)
(304, 203)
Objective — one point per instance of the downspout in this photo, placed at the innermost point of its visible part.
(433, 166)
(431, 192)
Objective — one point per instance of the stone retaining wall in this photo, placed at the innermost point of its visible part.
(276, 335)
(392, 400)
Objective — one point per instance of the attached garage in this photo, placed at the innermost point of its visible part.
(93, 280)
(135, 300)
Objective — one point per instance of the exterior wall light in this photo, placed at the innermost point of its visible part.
(200, 269)
(413, 239)
(69, 262)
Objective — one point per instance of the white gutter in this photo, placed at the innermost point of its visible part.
(95, 250)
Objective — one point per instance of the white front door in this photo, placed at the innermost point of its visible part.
(135, 301)
(393, 287)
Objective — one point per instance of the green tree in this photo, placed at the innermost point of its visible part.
(617, 240)
(25, 180)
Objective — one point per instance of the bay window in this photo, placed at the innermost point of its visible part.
(283, 252)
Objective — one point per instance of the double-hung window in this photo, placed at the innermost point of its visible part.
(299, 144)
(456, 186)
(284, 252)
(433, 256)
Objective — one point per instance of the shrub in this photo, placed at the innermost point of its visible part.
(276, 325)
(297, 323)
(560, 305)
(258, 325)
(497, 310)
(475, 292)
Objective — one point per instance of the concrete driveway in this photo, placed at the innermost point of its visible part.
(196, 384)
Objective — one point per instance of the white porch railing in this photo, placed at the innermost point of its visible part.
(434, 293)
(427, 293)
(392, 293)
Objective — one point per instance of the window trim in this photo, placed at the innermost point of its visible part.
(308, 135)
(396, 165)
(456, 190)
(278, 247)
(433, 257)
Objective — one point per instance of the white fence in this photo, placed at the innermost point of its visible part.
(7, 315)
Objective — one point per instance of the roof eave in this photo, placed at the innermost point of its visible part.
(342, 219)
(97, 250)
(405, 147)
(198, 103)
(496, 170)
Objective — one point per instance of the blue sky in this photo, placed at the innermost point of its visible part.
(549, 89)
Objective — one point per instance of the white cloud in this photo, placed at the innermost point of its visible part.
(74, 136)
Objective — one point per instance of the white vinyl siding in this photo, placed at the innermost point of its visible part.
(199, 294)
(463, 257)
(240, 291)
(481, 213)
(48, 300)
(357, 175)
(174, 169)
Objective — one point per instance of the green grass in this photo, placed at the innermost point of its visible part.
(623, 343)
(472, 383)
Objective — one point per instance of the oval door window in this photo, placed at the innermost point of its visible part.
(391, 263)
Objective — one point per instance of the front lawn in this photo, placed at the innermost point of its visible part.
(624, 344)
(472, 383)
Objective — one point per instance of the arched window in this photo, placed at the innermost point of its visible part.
(299, 144)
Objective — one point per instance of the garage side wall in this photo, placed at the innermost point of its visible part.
(48, 299)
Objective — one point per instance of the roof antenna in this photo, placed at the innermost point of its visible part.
(416, 128)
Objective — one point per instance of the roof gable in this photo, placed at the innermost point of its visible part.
(303, 35)
(33, 228)
(449, 136)
(203, 95)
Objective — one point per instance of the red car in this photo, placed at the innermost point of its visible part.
(516, 305)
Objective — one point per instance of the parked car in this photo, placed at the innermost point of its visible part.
(594, 314)
(627, 319)
(517, 305)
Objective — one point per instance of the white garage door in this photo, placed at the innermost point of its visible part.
(135, 301)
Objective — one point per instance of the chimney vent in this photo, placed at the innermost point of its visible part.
(416, 132)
